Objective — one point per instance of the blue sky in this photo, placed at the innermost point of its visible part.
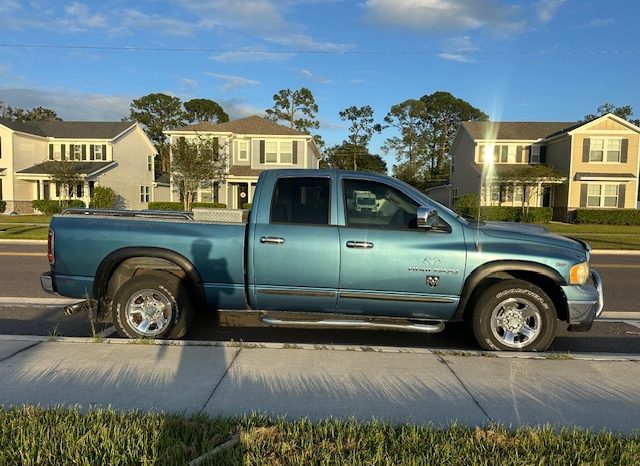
(547, 60)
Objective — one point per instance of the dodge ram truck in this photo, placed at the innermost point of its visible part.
(307, 255)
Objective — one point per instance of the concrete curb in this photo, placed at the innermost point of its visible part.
(311, 347)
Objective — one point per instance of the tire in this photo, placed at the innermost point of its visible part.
(514, 315)
(152, 305)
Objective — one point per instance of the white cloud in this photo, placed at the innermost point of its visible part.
(136, 20)
(458, 49)
(445, 15)
(547, 9)
(315, 78)
(77, 17)
(238, 108)
(600, 22)
(232, 83)
(250, 55)
(70, 105)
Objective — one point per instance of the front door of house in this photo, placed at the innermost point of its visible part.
(243, 194)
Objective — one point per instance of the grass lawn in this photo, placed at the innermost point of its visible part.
(24, 226)
(31, 435)
(601, 236)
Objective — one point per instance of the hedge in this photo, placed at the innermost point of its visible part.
(607, 216)
(179, 206)
(103, 198)
(50, 207)
(3, 206)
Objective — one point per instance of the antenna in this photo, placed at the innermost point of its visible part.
(487, 168)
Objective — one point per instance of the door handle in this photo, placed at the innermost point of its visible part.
(359, 244)
(271, 240)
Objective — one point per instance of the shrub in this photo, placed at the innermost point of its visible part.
(103, 198)
(209, 205)
(467, 205)
(179, 206)
(50, 207)
(608, 216)
(3, 206)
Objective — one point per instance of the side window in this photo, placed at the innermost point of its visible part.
(375, 205)
(301, 201)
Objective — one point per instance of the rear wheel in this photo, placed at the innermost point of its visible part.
(514, 315)
(152, 305)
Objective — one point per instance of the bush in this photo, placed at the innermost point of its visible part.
(179, 206)
(607, 216)
(103, 198)
(3, 206)
(467, 206)
(50, 207)
(209, 205)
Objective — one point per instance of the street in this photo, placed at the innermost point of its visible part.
(25, 309)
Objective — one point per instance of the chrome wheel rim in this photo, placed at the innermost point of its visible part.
(516, 322)
(149, 312)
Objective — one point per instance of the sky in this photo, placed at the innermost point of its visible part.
(546, 60)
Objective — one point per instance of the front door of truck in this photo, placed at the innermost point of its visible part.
(388, 265)
(296, 256)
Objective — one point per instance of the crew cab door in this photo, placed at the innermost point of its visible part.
(388, 265)
(296, 256)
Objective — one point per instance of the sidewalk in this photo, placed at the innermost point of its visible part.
(400, 386)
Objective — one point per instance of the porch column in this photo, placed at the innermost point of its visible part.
(86, 194)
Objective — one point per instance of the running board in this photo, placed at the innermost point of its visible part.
(434, 327)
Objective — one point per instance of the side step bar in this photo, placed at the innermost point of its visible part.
(432, 327)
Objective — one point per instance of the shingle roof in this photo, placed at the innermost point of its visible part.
(517, 130)
(250, 125)
(82, 168)
(242, 170)
(70, 129)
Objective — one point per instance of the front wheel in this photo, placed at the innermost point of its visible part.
(514, 315)
(152, 305)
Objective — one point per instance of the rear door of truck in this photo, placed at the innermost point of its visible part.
(294, 258)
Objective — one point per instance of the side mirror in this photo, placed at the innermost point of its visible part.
(427, 217)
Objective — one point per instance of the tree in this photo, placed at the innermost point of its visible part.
(158, 112)
(625, 112)
(200, 110)
(21, 115)
(444, 113)
(196, 161)
(298, 108)
(362, 127)
(342, 156)
(66, 175)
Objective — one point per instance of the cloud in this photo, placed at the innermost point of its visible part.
(547, 9)
(78, 18)
(232, 83)
(599, 22)
(70, 105)
(250, 55)
(315, 78)
(131, 20)
(458, 49)
(444, 15)
(238, 108)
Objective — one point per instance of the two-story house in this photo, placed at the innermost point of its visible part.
(598, 162)
(118, 155)
(251, 145)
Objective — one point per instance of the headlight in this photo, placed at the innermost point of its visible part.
(579, 273)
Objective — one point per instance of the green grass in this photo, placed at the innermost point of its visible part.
(32, 435)
(25, 219)
(601, 236)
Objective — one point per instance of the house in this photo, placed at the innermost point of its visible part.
(596, 163)
(251, 145)
(118, 155)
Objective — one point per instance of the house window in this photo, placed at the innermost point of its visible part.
(77, 152)
(602, 195)
(501, 153)
(144, 193)
(605, 150)
(97, 152)
(149, 163)
(1, 189)
(278, 152)
(243, 150)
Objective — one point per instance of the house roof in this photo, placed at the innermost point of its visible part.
(70, 129)
(243, 170)
(250, 125)
(82, 168)
(518, 130)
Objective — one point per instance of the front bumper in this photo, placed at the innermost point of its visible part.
(585, 303)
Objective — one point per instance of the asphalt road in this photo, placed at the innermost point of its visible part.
(21, 265)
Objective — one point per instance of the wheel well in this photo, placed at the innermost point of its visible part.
(135, 266)
(547, 284)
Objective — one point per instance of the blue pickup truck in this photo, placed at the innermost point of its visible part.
(310, 255)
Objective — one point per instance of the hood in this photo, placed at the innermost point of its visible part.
(529, 233)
